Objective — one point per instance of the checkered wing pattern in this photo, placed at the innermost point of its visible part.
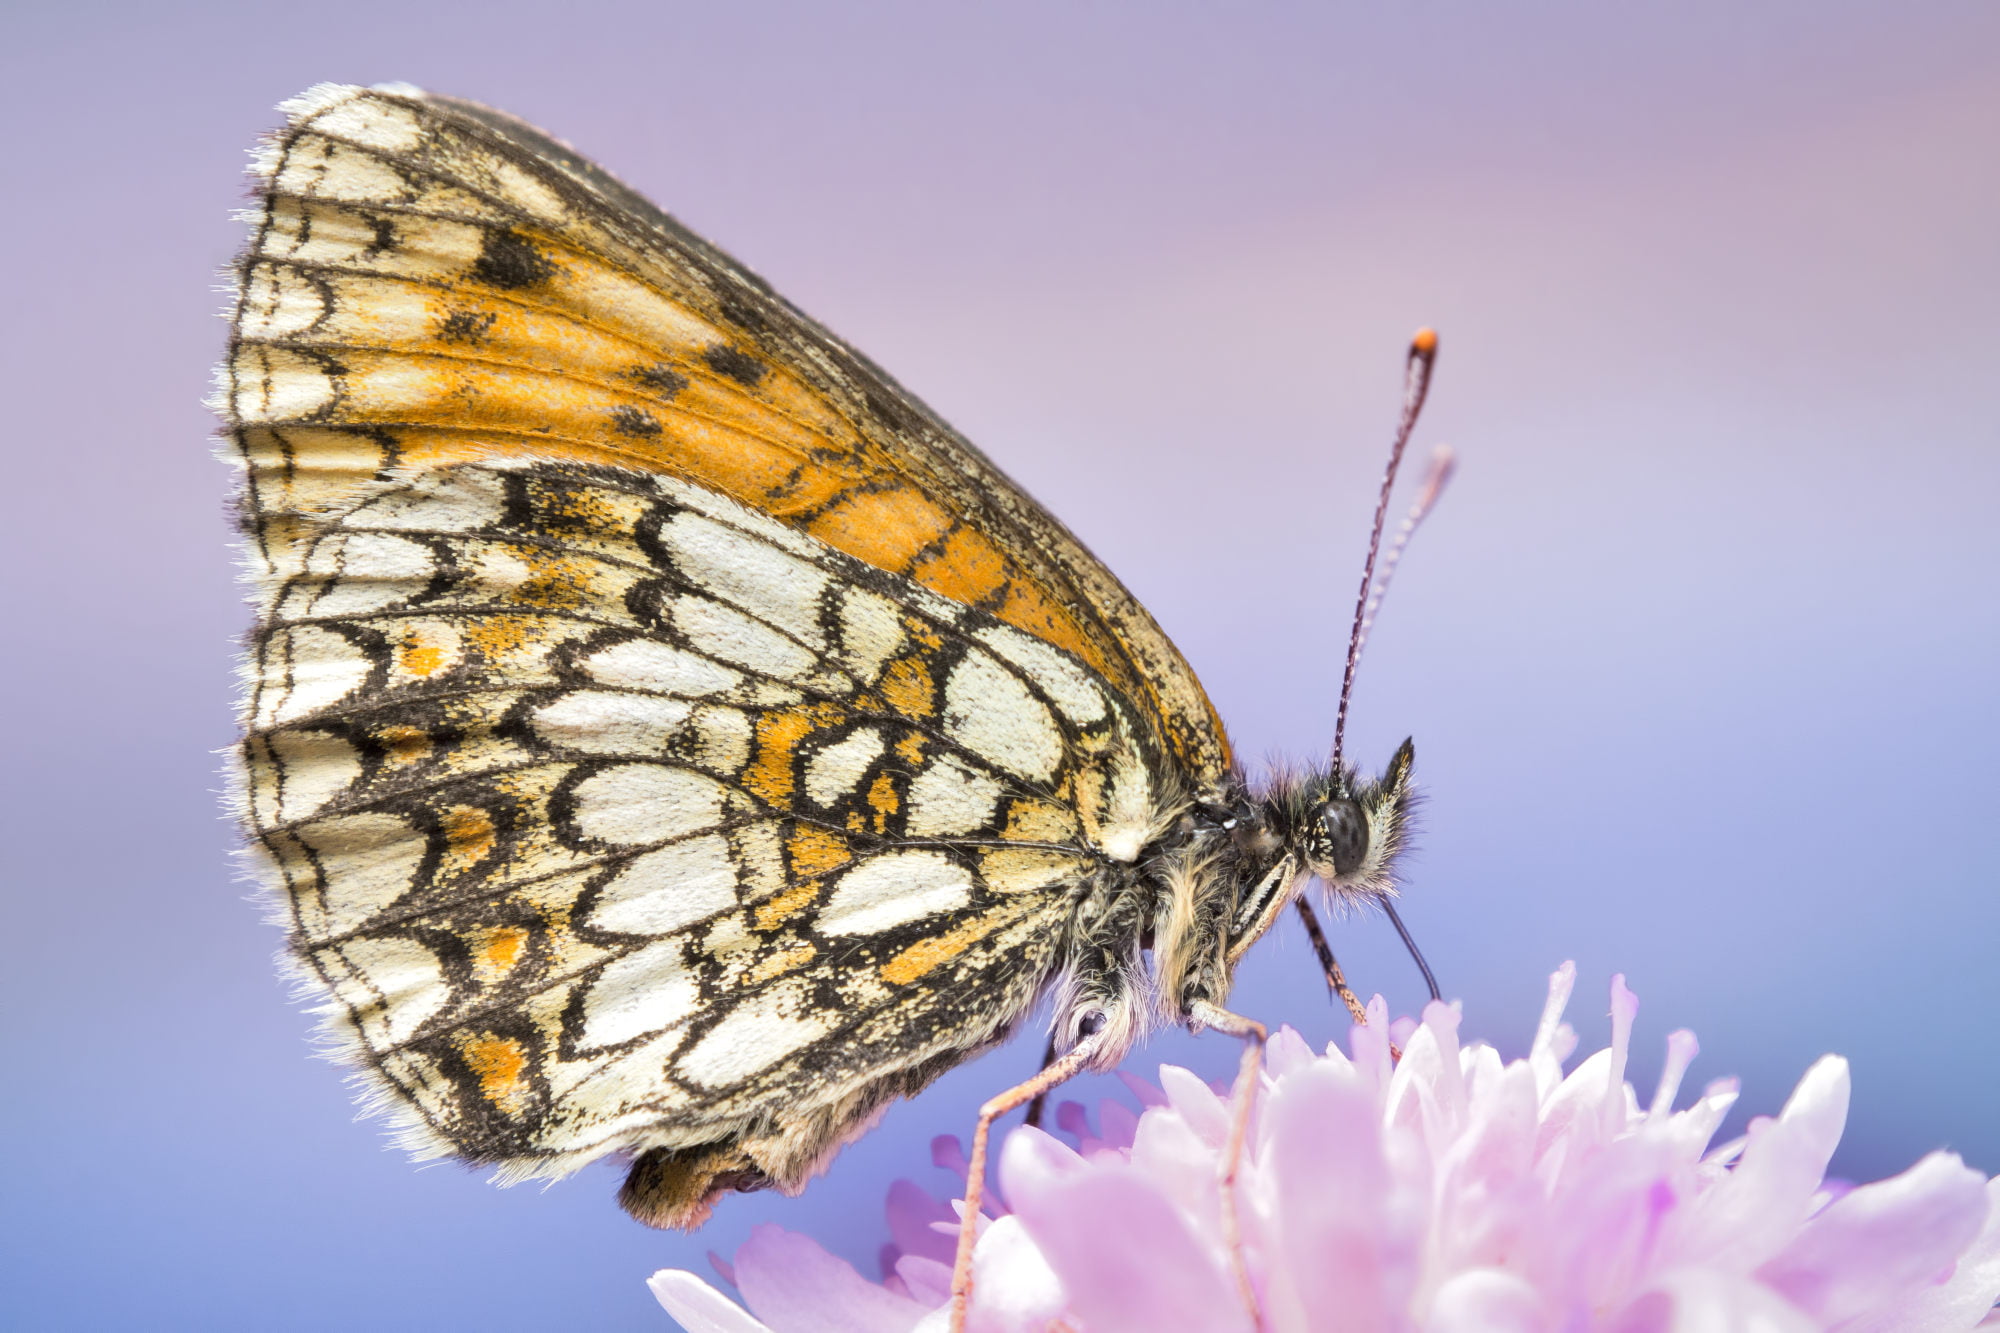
(667, 736)
(431, 282)
(612, 814)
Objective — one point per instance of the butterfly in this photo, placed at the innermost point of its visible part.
(664, 736)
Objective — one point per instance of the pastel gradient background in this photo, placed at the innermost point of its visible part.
(1700, 653)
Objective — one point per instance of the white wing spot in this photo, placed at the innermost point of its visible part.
(871, 632)
(661, 891)
(331, 170)
(608, 722)
(836, 771)
(640, 993)
(366, 862)
(892, 889)
(609, 1102)
(721, 739)
(717, 505)
(368, 572)
(278, 303)
(724, 632)
(407, 976)
(311, 768)
(1129, 811)
(760, 1032)
(324, 668)
(988, 710)
(772, 586)
(1067, 683)
(948, 798)
(648, 664)
(635, 804)
(273, 384)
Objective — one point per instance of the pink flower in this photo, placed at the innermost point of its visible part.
(1448, 1192)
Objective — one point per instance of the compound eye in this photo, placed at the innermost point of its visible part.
(1346, 835)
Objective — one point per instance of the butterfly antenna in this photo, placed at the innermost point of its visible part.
(1411, 944)
(1436, 477)
(1416, 384)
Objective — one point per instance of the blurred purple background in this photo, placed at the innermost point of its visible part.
(1700, 652)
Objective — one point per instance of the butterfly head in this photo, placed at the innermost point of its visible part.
(1348, 830)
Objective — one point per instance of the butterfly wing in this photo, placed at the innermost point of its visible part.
(668, 736)
(431, 281)
(613, 815)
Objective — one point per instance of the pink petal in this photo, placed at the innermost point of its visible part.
(1706, 1301)
(1205, 1112)
(1147, 1094)
(912, 1217)
(1490, 1208)
(1610, 1220)
(1681, 1051)
(794, 1286)
(1571, 1111)
(1563, 1046)
(949, 1153)
(1032, 1162)
(1441, 1020)
(1753, 1212)
(1030, 1159)
(1487, 1068)
(1499, 1143)
(698, 1307)
(1487, 1300)
(1370, 1043)
(1125, 1255)
(1694, 1127)
(1881, 1244)
(1542, 1054)
(1970, 1291)
(1414, 1082)
(1014, 1289)
(1334, 1055)
(1286, 1051)
(1331, 1185)
(1184, 1169)
(925, 1281)
(1116, 1124)
(1624, 1009)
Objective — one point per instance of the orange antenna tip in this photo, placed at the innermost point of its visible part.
(1425, 343)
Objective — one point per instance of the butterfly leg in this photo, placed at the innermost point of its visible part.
(1252, 1032)
(1336, 981)
(1059, 1070)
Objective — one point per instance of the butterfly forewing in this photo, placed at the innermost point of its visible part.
(433, 282)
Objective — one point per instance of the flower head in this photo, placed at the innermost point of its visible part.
(1449, 1192)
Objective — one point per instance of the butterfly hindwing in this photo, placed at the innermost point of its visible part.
(614, 815)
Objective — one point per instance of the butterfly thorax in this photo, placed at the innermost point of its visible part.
(1216, 882)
